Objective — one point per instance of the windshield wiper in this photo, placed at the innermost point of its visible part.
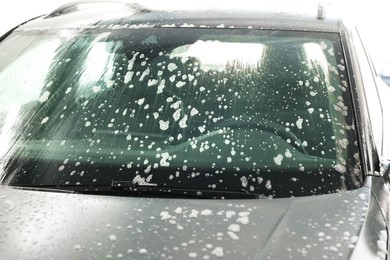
(144, 189)
(150, 189)
(46, 188)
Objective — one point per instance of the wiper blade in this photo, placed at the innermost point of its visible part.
(145, 188)
(48, 188)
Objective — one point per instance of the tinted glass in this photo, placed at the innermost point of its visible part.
(262, 111)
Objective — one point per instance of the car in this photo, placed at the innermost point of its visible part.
(154, 131)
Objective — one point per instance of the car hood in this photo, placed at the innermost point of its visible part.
(48, 225)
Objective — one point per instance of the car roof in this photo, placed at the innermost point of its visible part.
(143, 14)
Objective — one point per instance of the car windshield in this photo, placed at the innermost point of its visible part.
(259, 111)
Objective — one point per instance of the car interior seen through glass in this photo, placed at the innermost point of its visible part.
(259, 111)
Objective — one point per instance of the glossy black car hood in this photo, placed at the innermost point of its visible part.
(46, 225)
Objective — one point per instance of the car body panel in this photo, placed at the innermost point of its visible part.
(47, 225)
(133, 16)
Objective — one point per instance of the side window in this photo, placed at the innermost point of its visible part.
(371, 92)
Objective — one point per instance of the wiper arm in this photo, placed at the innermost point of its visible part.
(145, 188)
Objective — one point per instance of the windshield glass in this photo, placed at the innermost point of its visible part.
(262, 111)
